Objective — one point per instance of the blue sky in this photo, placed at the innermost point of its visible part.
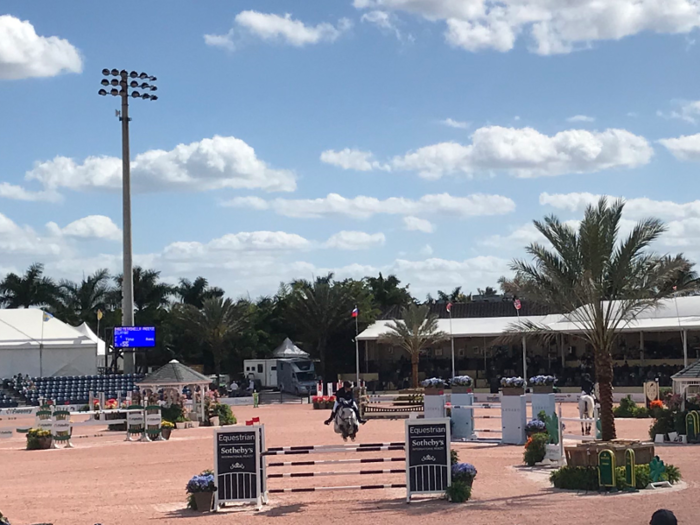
(415, 137)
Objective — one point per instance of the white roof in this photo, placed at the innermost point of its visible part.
(663, 317)
(26, 327)
(289, 349)
(87, 331)
(465, 327)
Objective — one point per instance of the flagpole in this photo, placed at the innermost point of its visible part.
(452, 340)
(684, 334)
(41, 346)
(517, 310)
(357, 351)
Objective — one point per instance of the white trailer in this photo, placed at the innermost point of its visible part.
(263, 370)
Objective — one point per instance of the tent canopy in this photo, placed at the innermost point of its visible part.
(87, 332)
(37, 344)
(174, 374)
(289, 349)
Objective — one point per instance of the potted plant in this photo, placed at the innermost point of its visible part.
(542, 384)
(39, 439)
(316, 400)
(201, 490)
(461, 384)
(166, 428)
(465, 472)
(512, 386)
(434, 386)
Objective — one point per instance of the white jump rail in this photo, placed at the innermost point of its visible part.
(592, 422)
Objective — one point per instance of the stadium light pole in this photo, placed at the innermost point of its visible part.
(122, 87)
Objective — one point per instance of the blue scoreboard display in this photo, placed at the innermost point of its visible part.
(134, 336)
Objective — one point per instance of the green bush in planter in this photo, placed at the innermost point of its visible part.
(536, 448)
(626, 408)
(586, 478)
(223, 411)
(458, 492)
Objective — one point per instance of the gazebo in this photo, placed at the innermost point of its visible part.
(176, 376)
(686, 379)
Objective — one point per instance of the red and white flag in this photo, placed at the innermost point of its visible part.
(449, 307)
(675, 288)
(355, 312)
(516, 303)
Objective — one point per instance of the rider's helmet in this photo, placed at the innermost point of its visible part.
(347, 384)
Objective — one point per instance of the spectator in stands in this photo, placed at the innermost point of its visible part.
(663, 517)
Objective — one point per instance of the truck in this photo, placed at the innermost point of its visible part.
(292, 375)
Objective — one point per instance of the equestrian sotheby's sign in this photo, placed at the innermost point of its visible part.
(428, 462)
(237, 464)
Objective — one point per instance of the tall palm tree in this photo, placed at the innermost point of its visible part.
(215, 324)
(416, 330)
(455, 296)
(30, 289)
(81, 301)
(195, 293)
(602, 280)
(321, 308)
(387, 292)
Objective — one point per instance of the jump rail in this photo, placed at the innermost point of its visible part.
(330, 450)
(332, 462)
(349, 487)
(344, 473)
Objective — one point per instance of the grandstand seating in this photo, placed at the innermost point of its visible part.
(71, 389)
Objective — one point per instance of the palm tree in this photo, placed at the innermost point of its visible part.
(215, 324)
(195, 293)
(455, 296)
(387, 292)
(415, 331)
(149, 292)
(81, 301)
(30, 289)
(602, 280)
(321, 308)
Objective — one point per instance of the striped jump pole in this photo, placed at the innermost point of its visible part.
(330, 450)
(487, 417)
(349, 445)
(333, 462)
(349, 487)
(333, 473)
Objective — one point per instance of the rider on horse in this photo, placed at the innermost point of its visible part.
(587, 385)
(345, 392)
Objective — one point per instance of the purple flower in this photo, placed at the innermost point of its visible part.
(201, 483)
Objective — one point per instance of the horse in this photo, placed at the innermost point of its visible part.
(346, 423)
(586, 406)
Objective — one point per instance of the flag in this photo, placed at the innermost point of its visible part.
(675, 288)
(516, 303)
(47, 316)
(355, 312)
(99, 315)
(449, 307)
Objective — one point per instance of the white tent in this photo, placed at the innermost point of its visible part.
(288, 349)
(101, 345)
(34, 343)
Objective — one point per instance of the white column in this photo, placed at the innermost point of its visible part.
(513, 419)
(462, 418)
(685, 348)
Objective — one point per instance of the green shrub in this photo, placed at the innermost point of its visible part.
(458, 492)
(223, 411)
(535, 448)
(586, 478)
(35, 436)
(575, 478)
(173, 413)
(641, 412)
(626, 408)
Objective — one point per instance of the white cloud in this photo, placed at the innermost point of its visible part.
(275, 28)
(426, 251)
(352, 159)
(363, 207)
(688, 111)
(436, 273)
(24, 54)
(580, 118)
(383, 20)
(686, 147)
(416, 224)
(455, 123)
(23, 240)
(636, 208)
(518, 238)
(554, 26)
(210, 164)
(18, 193)
(92, 227)
(353, 240)
(526, 153)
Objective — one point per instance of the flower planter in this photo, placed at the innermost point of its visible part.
(543, 389)
(40, 443)
(165, 432)
(203, 501)
(214, 421)
(512, 391)
(430, 391)
(458, 389)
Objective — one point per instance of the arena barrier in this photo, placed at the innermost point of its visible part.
(594, 423)
(241, 463)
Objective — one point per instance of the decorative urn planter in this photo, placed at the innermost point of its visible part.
(204, 501)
